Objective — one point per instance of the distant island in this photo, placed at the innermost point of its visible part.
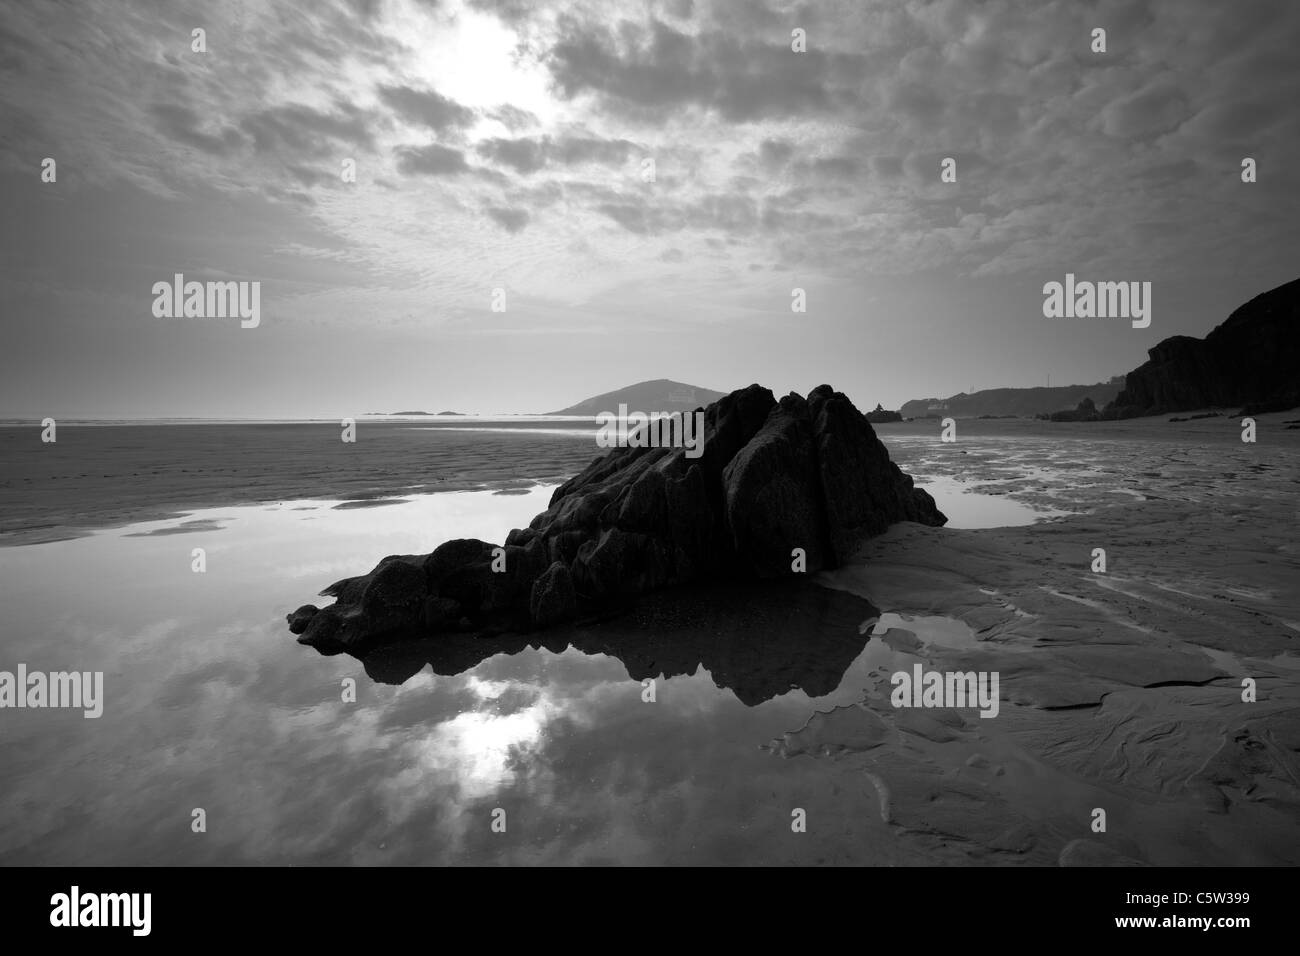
(428, 414)
(658, 395)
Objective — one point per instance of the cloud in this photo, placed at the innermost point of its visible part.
(887, 167)
(521, 155)
(732, 213)
(528, 155)
(656, 69)
(1237, 122)
(632, 216)
(1147, 113)
(511, 11)
(513, 117)
(775, 153)
(917, 101)
(827, 159)
(431, 160)
(426, 108)
(586, 149)
(511, 220)
(294, 128)
(312, 177)
(833, 168)
(182, 125)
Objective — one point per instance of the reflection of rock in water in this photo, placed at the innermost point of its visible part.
(850, 728)
(757, 641)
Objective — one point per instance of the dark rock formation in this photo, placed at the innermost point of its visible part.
(863, 490)
(881, 415)
(1251, 359)
(553, 598)
(772, 494)
(771, 477)
(1085, 412)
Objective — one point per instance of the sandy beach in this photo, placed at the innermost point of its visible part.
(1120, 691)
(1123, 690)
(102, 476)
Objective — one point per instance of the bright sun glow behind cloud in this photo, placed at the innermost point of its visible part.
(501, 143)
(471, 58)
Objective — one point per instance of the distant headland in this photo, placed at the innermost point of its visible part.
(413, 414)
(657, 395)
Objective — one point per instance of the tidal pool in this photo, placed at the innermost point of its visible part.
(210, 704)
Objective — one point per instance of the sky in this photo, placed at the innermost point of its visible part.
(641, 186)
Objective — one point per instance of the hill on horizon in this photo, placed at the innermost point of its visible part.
(412, 413)
(1024, 402)
(657, 395)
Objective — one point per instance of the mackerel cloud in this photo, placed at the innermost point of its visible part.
(767, 161)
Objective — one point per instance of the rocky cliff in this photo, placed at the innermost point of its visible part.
(1252, 359)
(806, 473)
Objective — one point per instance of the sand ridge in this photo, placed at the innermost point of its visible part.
(1121, 691)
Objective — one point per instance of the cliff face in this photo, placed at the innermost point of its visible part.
(806, 473)
(1253, 358)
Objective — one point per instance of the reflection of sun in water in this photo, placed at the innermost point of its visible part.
(480, 750)
(457, 767)
(481, 747)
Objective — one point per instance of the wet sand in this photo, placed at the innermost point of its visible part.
(1120, 690)
(102, 476)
